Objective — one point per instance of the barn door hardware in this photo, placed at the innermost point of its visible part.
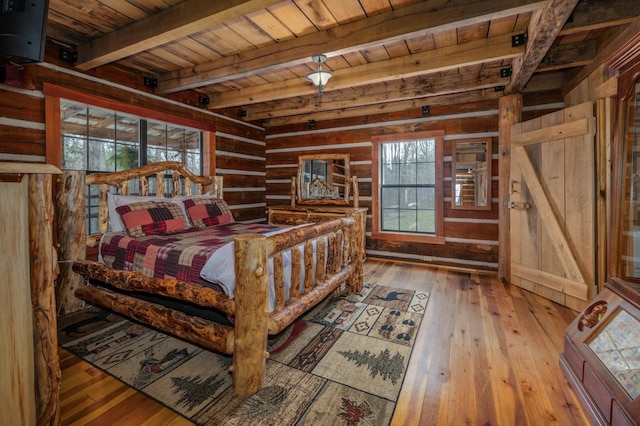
(520, 206)
(513, 186)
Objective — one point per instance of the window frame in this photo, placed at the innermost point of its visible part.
(54, 94)
(376, 232)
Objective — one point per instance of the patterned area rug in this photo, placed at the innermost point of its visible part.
(342, 364)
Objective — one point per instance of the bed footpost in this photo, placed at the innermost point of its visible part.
(356, 236)
(252, 282)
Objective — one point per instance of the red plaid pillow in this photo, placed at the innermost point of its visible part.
(205, 212)
(152, 217)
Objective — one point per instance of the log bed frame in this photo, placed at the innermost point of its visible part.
(246, 340)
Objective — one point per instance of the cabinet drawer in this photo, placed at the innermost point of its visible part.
(574, 359)
(288, 218)
(598, 392)
(322, 217)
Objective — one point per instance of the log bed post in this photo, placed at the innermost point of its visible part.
(252, 283)
(71, 229)
(43, 257)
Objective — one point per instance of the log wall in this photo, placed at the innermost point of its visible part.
(257, 164)
(236, 150)
(471, 236)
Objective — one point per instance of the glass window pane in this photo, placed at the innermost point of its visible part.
(127, 128)
(426, 221)
(101, 156)
(390, 220)
(101, 124)
(387, 153)
(155, 154)
(73, 119)
(390, 174)
(175, 138)
(407, 220)
(408, 152)
(194, 162)
(426, 150)
(390, 198)
(156, 135)
(408, 198)
(426, 198)
(74, 152)
(192, 140)
(426, 173)
(174, 156)
(127, 156)
(408, 174)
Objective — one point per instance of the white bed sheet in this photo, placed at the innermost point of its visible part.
(220, 268)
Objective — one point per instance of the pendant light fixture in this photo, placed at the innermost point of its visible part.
(319, 78)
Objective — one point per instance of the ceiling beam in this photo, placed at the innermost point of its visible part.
(398, 106)
(411, 21)
(446, 58)
(391, 91)
(564, 56)
(181, 20)
(546, 82)
(598, 14)
(544, 27)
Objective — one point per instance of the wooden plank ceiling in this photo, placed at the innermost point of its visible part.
(385, 55)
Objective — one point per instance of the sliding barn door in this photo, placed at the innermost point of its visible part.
(552, 205)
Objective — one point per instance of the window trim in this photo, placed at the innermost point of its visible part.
(53, 95)
(376, 186)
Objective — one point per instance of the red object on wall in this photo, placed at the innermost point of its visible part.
(13, 75)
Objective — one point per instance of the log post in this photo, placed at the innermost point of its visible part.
(71, 229)
(320, 259)
(252, 285)
(293, 191)
(355, 242)
(47, 366)
(103, 205)
(308, 266)
(356, 192)
(510, 113)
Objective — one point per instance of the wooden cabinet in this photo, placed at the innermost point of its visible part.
(601, 357)
(296, 215)
(29, 367)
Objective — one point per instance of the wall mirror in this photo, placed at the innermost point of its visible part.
(323, 179)
(471, 174)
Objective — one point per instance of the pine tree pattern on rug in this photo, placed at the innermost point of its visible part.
(342, 364)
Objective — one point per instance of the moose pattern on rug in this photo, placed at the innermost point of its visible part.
(343, 363)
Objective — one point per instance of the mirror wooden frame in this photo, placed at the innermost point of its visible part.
(481, 172)
(341, 200)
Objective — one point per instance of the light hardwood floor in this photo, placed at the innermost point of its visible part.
(487, 354)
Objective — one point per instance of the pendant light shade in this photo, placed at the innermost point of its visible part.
(319, 78)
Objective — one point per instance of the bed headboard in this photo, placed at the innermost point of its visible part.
(182, 181)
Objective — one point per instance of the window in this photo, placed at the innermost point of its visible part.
(407, 180)
(100, 140)
(93, 133)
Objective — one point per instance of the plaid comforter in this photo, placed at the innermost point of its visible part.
(180, 255)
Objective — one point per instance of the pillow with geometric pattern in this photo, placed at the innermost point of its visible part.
(204, 212)
(116, 200)
(152, 217)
